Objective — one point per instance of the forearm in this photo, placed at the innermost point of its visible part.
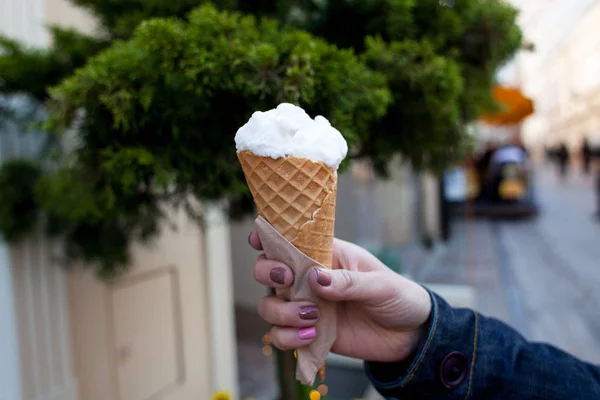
(467, 356)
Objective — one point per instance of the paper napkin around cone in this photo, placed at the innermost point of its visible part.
(277, 247)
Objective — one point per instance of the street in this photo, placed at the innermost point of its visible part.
(542, 276)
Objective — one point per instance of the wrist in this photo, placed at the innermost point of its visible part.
(418, 341)
(422, 331)
(390, 371)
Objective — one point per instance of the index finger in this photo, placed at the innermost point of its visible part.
(254, 240)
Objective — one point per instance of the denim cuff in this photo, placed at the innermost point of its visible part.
(443, 367)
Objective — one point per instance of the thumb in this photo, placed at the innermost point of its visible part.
(343, 285)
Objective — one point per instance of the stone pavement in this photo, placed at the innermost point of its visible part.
(541, 276)
(257, 371)
(470, 259)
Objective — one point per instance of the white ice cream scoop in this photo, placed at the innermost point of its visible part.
(289, 131)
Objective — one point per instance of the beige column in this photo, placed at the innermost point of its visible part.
(220, 301)
(432, 205)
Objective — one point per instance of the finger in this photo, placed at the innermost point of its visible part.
(254, 240)
(346, 253)
(340, 285)
(273, 273)
(292, 338)
(277, 311)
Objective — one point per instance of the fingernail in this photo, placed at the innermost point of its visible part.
(323, 278)
(277, 275)
(307, 333)
(308, 312)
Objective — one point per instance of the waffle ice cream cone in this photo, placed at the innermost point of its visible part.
(297, 196)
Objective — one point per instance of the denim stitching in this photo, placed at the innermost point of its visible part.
(426, 346)
(474, 358)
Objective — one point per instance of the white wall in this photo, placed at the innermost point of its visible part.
(43, 322)
(35, 357)
(10, 372)
(63, 13)
(24, 20)
(21, 20)
(36, 345)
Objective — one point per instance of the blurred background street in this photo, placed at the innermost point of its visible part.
(538, 275)
(541, 276)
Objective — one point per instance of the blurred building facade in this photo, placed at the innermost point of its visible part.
(562, 74)
(164, 331)
(36, 361)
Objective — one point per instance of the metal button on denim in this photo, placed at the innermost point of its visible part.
(453, 369)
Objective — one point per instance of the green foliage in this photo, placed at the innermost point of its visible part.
(32, 71)
(18, 208)
(121, 17)
(157, 101)
(440, 62)
(426, 88)
(157, 113)
(176, 93)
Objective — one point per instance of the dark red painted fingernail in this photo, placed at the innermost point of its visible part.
(308, 312)
(323, 278)
(277, 275)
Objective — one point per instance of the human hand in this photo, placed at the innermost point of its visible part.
(381, 315)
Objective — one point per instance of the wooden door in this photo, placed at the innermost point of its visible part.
(146, 335)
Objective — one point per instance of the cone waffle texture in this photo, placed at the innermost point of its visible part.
(297, 197)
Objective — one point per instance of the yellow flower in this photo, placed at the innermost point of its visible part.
(222, 396)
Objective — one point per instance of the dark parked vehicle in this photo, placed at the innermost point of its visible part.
(504, 185)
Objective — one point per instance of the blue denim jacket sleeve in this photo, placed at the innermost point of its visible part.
(468, 356)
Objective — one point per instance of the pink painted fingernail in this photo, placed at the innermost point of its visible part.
(307, 333)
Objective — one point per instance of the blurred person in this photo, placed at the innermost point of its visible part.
(548, 154)
(483, 165)
(415, 344)
(586, 154)
(598, 192)
(562, 157)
